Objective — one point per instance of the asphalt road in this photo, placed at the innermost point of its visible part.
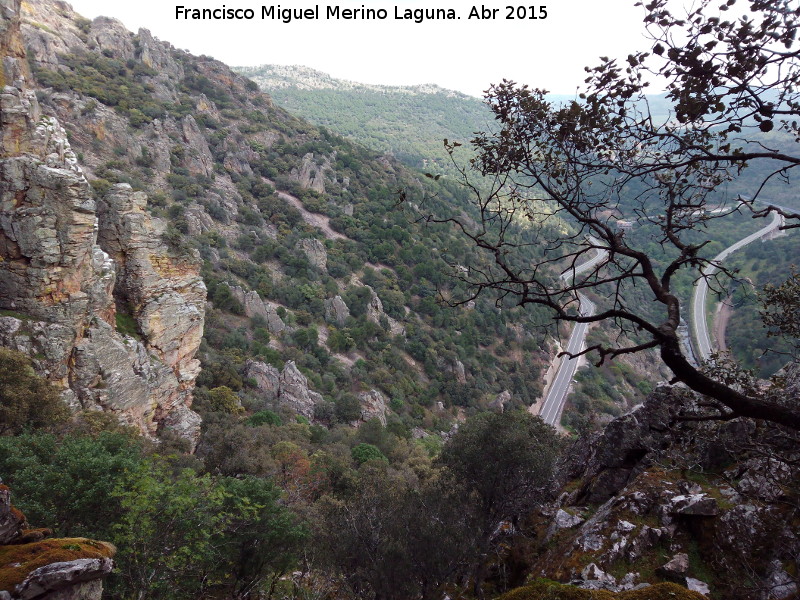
(699, 321)
(557, 394)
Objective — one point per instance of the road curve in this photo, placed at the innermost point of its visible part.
(553, 404)
(557, 394)
(699, 322)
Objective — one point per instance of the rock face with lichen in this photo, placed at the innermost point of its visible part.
(288, 388)
(373, 406)
(336, 311)
(37, 568)
(315, 252)
(254, 306)
(67, 264)
(703, 505)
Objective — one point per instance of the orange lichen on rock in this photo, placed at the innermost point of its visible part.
(168, 267)
(18, 561)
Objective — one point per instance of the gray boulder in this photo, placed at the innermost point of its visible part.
(295, 393)
(336, 311)
(676, 569)
(267, 378)
(315, 252)
(255, 306)
(693, 505)
(373, 406)
(44, 581)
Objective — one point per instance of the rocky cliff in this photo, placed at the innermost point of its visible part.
(73, 268)
(710, 506)
(307, 256)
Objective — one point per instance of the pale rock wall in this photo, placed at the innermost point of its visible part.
(58, 282)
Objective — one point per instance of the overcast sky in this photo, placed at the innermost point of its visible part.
(465, 55)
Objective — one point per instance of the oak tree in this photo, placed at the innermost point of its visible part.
(563, 176)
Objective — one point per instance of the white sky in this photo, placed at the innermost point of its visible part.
(465, 55)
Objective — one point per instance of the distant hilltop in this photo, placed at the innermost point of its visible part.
(272, 77)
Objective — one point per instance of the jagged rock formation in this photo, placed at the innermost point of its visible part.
(336, 311)
(373, 406)
(228, 172)
(500, 401)
(255, 306)
(375, 314)
(162, 288)
(714, 498)
(554, 591)
(295, 393)
(34, 568)
(13, 67)
(315, 252)
(289, 388)
(311, 173)
(62, 288)
(615, 456)
(460, 372)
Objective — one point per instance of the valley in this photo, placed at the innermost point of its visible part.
(268, 334)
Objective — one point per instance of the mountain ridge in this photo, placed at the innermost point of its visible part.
(276, 76)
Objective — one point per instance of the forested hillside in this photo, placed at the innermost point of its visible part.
(742, 329)
(308, 254)
(248, 352)
(326, 344)
(408, 122)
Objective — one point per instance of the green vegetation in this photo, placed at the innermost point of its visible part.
(126, 325)
(389, 511)
(759, 265)
(243, 513)
(408, 122)
(254, 245)
(366, 452)
(26, 400)
(121, 85)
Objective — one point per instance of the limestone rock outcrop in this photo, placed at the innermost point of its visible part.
(12, 49)
(310, 174)
(336, 311)
(500, 401)
(686, 490)
(79, 578)
(60, 288)
(162, 288)
(198, 159)
(315, 252)
(375, 314)
(625, 447)
(289, 388)
(295, 393)
(267, 378)
(373, 406)
(255, 306)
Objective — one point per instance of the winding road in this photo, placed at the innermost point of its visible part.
(703, 344)
(553, 404)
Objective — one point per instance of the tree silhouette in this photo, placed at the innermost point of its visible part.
(731, 97)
